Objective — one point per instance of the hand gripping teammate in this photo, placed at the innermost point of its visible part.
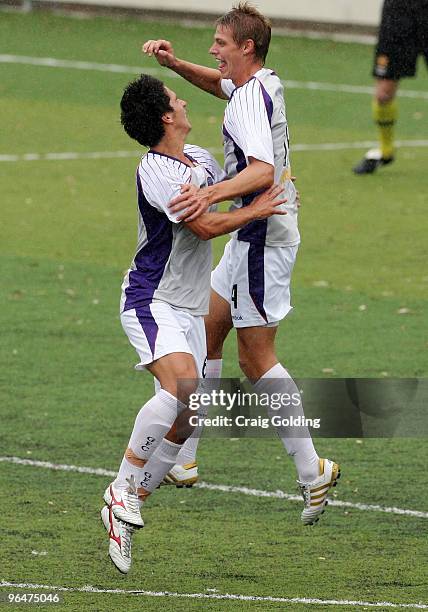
(165, 295)
(250, 287)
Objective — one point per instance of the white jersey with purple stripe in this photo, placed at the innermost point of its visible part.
(255, 125)
(171, 264)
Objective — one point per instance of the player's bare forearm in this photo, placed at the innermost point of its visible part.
(257, 176)
(207, 79)
(192, 203)
(210, 225)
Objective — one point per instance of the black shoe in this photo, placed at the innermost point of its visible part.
(371, 161)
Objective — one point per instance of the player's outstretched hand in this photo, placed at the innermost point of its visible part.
(267, 203)
(162, 50)
(192, 203)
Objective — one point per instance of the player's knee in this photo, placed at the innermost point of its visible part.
(385, 91)
(384, 97)
(181, 380)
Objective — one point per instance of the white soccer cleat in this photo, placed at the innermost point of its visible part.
(120, 535)
(182, 475)
(315, 493)
(124, 503)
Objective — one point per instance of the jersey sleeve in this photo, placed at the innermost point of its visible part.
(250, 112)
(227, 87)
(161, 183)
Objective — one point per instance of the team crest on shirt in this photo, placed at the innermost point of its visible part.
(382, 62)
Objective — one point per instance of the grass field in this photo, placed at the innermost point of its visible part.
(70, 393)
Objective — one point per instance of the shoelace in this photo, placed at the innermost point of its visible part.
(306, 494)
(131, 494)
(128, 531)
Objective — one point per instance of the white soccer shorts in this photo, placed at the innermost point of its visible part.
(158, 329)
(255, 280)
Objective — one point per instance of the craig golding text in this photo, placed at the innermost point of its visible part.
(263, 422)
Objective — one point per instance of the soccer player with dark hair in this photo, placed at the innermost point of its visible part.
(403, 36)
(165, 295)
(250, 287)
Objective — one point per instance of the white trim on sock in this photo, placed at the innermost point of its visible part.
(214, 368)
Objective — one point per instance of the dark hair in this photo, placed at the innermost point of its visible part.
(245, 22)
(143, 103)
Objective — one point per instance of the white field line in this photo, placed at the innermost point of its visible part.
(210, 595)
(51, 62)
(222, 488)
(322, 146)
(364, 144)
(344, 37)
(69, 156)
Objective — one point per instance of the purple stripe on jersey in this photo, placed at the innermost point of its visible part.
(268, 103)
(239, 154)
(149, 325)
(256, 277)
(256, 230)
(151, 259)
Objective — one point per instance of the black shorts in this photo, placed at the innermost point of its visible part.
(403, 36)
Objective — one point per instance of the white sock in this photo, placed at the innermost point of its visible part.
(214, 367)
(159, 464)
(188, 452)
(153, 422)
(296, 440)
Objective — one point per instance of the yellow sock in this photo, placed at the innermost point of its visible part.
(385, 116)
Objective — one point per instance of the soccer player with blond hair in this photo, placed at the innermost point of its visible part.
(250, 287)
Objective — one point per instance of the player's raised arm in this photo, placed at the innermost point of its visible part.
(208, 79)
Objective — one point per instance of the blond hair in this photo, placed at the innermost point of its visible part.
(245, 22)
